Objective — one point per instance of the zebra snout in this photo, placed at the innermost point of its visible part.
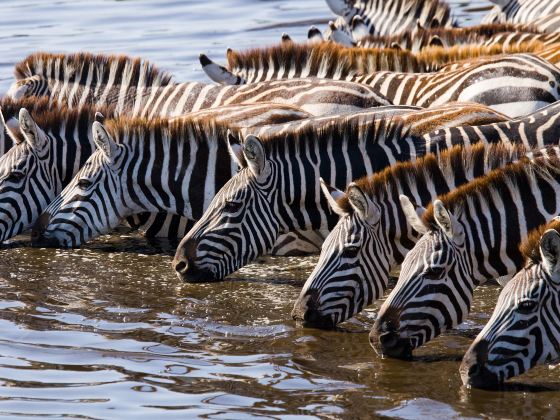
(307, 309)
(386, 339)
(474, 367)
(38, 230)
(184, 264)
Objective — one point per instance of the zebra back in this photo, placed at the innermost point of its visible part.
(419, 38)
(521, 11)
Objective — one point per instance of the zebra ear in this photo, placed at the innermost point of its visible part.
(362, 204)
(255, 155)
(359, 28)
(550, 252)
(339, 7)
(314, 35)
(11, 128)
(446, 221)
(435, 41)
(29, 128)
(236, 150)
(500, 3)
(332, 195)
(413, 214)
(104, 141)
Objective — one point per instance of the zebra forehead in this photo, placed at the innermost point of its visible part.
(134, 68)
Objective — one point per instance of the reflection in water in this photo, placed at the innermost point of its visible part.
(109, 327)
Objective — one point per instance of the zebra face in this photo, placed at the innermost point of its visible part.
(343, 281)
(434, 290)
(30, 86)
(26, 185)
(91, 204)
(524, 329)
(239, 225)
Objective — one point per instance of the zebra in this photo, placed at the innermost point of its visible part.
(56, 221)
(520, 11)
(372, 236)
(523, 39)
(327, 60)
(515, 85)
(322, 301)
(523, 330)
(277, 190)
(535, 130)
(394, 16)
(419, 38)
(469, 236)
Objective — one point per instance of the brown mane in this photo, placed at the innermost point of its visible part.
(376, 186)
(493, 183)
(530, 248)
(139, 70)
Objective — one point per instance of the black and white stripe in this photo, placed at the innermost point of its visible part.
(521, 11)
(469, 236)
(524, 329)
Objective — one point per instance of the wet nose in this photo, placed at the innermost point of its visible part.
(307, 309)
(474, 370)
(184, 263)
(386, 340)
(39, 229)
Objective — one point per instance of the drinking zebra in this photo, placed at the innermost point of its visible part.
(142, 132)
(514, 85)
(327, 298)
(393, 16)
(277, 190)
(521, 11)
(524, 330)
(470, 235)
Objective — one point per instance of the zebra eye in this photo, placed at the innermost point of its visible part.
(15, 176)
(351, 251)
(526, 306)
(84, 183)
(232, 206)
(434, 273)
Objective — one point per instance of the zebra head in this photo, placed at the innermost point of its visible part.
(91, 204)
(26, 181)
(241, 222)
(353, 267)
(435, 286)
(524, 329)
(30, 86)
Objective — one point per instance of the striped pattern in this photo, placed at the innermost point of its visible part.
(387, 17)
(535, 130)
(515, 84)
(373, 236)
(524, 330)
(255, 206)
(521, 11)
(471, 236)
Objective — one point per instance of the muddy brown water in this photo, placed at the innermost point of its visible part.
(108, 331)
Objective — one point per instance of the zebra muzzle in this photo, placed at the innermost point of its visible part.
(185, 266)
(474, 368)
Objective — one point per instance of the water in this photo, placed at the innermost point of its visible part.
(108, 331)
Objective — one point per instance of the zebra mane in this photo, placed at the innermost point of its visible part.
(326, 59)
(451, 36)
(530, 248)
(340, 131)
(35, 105)
(495, 182)
(379, 187)
(122, 67)
(432, 12)
(200, 129)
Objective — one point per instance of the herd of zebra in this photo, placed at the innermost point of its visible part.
(394, 138)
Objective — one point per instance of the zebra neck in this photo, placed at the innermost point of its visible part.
(174, 175)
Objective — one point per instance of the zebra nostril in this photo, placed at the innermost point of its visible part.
(180, 267)
(474, 369)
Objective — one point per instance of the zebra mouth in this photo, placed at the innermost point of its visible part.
(478, 376)
(390, 344)
(314, 319)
